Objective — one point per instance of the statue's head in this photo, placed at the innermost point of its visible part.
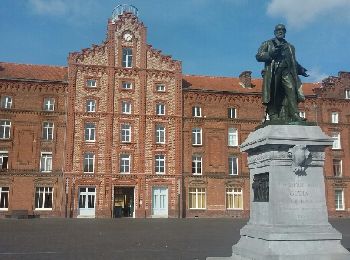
(280, 31)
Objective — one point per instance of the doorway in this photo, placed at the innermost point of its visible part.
(87, 197)
(123, 204)
(160, 202)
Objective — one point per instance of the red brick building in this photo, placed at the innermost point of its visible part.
(121, 132)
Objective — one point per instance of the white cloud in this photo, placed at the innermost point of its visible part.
(316, 75)
(299, 13)
(49, 7)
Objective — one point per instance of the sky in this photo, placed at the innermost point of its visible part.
(215, 38)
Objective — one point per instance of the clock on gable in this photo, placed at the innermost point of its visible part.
(127, 36)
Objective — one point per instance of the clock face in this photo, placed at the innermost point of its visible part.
(127, 37)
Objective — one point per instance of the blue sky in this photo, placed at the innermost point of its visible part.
(218, 38)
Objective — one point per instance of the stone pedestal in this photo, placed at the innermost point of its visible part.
(288, 216)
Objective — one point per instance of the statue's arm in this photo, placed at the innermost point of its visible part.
(301, 70)
(263, 53)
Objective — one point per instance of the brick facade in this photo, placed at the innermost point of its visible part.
(133, 136)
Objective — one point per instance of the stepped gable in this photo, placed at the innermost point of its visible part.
(33, 72)
(215, 83)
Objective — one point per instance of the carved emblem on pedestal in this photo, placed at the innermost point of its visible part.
(300, 155)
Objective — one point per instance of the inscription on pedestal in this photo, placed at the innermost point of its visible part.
(260, 187)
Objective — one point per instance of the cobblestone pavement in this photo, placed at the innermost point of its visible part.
(125, 238)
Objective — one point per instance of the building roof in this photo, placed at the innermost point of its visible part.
(212, 83)
(32, 72)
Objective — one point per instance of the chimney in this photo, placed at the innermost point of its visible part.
(245, 79)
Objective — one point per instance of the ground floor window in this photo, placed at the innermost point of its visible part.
(4, 198)
(234, 198)
(87, 198)
(197, 198)
(339, 199)
(43, 198)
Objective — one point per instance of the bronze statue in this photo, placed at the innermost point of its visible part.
(281, 84)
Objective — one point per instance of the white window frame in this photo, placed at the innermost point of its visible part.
(90, 132)
(46, 162)
(232, 192)
(160, 134)
(232, 112)
(302, 114)
(4, 154)
(125, 132)
(91, 83)
(197, 164)
(336, 141)
(5, 129)
(91, 105)
(160, 109)
(160, 87)
(339, 200)
(232, 160)
(126, 107)
(44, 192)
(48, 128)
(196, 192)
(124, 163)
(49, 104)
(347, 93)
(232, 137)
(3, 191)
(197, 136)
(127, 57)
(159, 163)
(339, 166)
(196, 111)
(335, 117)
(6, 102)
(89, 162)
(127, 85)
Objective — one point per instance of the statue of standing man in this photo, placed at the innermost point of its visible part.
(281, 84)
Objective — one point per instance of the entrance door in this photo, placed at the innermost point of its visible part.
(123, 205)
(87, 199)
(160, 202)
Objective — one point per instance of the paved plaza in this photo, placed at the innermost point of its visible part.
(125, 238)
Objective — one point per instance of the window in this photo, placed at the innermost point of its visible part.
(196, 111)
(43, 198)
(47, 131)
(90, 105)
(232, 137)
(347, 93)
(90, 132)
(197, 136)
(160, 109)
(4, 157)
(5, 129)
(126, 85)
(302, 114)
(197, 164)
(160, 134)
(6, 102)
(339, 199)
(4, 198)
(232, 165)
(197, 198)
(335, 117)
(87, 197)
(336, 141)
(231, 112)
(49, 104)
(46, 162)
(337, 167)
(127, 58)
(91, 83)
(89, 162)
(124, 163)
(234, 198)
(126, 133)
(160, 88)
(160, 164)
(267, 116)
(126, 107)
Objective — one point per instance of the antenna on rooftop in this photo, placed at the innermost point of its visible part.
(124, 8)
